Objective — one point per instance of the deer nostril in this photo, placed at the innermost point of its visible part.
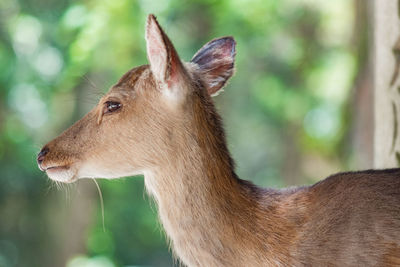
(42, 154)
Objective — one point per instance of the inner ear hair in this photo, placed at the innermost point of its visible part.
(164, 60)
(215, 61)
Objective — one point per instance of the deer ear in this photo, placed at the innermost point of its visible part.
(215, 61)
(164, 60)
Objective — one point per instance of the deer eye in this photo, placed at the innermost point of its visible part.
(111, 106)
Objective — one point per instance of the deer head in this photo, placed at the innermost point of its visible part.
(140, 123)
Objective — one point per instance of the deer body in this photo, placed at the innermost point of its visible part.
(345, 220)
(159, 120)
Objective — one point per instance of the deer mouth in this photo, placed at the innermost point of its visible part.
(63, 173)
(56, 168)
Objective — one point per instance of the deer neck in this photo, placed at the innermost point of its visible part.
(195, 206)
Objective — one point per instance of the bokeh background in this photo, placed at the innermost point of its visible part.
(287, 111)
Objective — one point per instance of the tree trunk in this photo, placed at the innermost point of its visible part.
(386, 82)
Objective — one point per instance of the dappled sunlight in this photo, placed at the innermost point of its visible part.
(25, 99)
(26, 33)
(322, 122)
(48, 62)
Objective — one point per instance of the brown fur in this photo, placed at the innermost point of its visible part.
(212, 217)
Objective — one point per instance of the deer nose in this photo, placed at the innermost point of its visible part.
(42, 154)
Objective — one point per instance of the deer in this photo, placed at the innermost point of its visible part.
(159, 121)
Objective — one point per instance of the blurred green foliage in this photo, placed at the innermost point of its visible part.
(283, 110)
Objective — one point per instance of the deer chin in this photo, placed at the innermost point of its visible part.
(64, 174)
(96, 170)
